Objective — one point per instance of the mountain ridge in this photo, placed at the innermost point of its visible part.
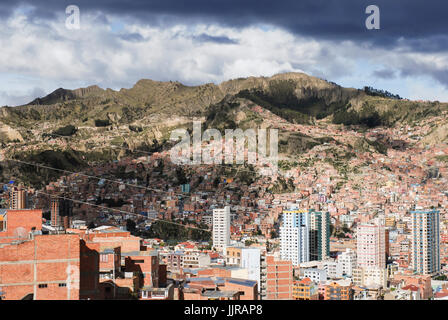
(231, 86)
(97, 125)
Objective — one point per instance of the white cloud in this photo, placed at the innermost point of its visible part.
(427, 91)
(46, 50)
(12, 98)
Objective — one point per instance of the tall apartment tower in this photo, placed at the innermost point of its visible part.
(425, 257)
(18, 198)
(61, 212)
(319, 235)
(279, 277)
(371, 246)
(221, 228)
(294, 236)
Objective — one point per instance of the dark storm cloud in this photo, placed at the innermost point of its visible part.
(385, 74)
(412, 68)
(216, 39)
(412, 20)
(431, 43)
(134, 37)
(407, 26)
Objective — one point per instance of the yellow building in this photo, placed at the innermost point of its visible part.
(305, 290)
(233, 256)
(390, 222)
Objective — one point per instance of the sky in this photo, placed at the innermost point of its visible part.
(203, 41)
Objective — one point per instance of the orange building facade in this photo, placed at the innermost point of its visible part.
(278, 279)
(46, 267)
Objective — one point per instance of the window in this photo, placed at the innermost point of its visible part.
(104, 258)
(41, 286)
(62, 285)
(139, 261)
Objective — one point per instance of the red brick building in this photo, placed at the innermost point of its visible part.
(17, 224)
(46, 267)
(74, 265)
(145, 264)
(279, 279)
(248, 289)
(89, 270)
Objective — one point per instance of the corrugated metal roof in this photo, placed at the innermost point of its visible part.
(107, 251)
(243, 282)
(199, 279)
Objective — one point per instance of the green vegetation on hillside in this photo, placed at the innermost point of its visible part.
(282, 109)
(66, 131)
(168, 231)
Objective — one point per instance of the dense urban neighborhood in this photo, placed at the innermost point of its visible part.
(361, 215)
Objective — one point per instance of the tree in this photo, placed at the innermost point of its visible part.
(180, 175)
(91, 225)
(248, 243)
(130, 225)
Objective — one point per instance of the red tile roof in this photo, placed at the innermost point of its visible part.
(410, 287)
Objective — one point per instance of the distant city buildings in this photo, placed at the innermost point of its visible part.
(18, 198)
(61, 212)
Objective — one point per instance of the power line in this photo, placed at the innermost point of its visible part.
(95, 205)
(87, 175)
(95, 177)
(112, 181)
(91, 176)
(151, 153)
(117, 210)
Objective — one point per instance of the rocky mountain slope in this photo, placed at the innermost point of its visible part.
(74, 128)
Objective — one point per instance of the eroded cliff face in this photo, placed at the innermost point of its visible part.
(8, 134)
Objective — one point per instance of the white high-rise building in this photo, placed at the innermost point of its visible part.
(250, 260)
(425, 257)
(294, 236)
(371, 246)
(221, 228)
(347, 261)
